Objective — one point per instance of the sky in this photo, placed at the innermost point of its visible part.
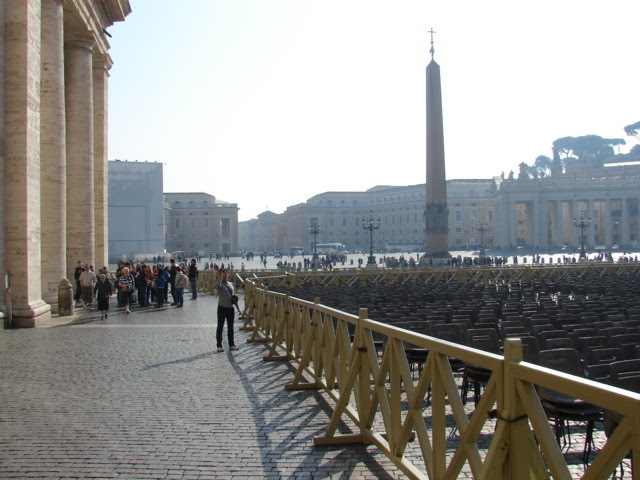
(266, 103)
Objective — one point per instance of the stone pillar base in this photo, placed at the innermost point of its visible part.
(28, 317)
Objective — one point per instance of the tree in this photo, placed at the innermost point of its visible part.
(633, 130)
(591, 149)
(543, 166)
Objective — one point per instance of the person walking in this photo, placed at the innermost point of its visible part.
(172, 282)
(127, 284)
(88, 280)
(76, 275)
(226, 300)
(103, 293)
(181, 283)
(193, 278)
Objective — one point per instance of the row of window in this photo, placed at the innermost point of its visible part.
(225, 225)
(474, 215)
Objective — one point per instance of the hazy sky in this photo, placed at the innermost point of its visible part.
(268, 102)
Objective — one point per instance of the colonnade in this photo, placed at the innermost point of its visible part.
(534, 216)
(54, 164)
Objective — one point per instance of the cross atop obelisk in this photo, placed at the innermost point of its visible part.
(431, 50)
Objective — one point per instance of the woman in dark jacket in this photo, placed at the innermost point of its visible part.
(103, 292)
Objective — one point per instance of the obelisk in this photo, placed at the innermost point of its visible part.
(436, 213)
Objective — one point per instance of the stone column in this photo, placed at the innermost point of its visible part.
(513, 224)
(576, 230)
(608, 224)
(22, 160)
(80, 166)
(501, 223)
(624, 222)
(101, 66)
(559, 224)
(52, 152)
(590, 231)
(3, 268)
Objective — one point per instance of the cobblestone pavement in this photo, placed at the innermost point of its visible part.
(147, 396)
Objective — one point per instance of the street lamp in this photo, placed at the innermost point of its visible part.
(314, 230)
(482, 229)
(371, 225)
(582, 223)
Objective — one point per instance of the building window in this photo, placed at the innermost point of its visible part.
(344, 221)
(205, 223)
(490, 215)
(474, 216)
(458, 229)
(225, 226)
(458, 216)
(331, 221)
(178, 223)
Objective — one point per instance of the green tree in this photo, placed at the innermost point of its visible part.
(633, 130)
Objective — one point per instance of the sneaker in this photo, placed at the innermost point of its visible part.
(220, 349)
(234, 348)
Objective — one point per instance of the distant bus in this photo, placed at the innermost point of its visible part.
(330, 248)
(295, 251)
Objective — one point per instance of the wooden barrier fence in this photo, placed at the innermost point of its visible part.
(484, 275)
(339, 353)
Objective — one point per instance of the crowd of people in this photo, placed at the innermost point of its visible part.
(139, 283)
(147, 285)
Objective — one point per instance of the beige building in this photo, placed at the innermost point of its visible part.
(53, 163)
(401, 211)
(199, 222)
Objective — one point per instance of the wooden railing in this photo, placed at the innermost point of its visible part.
(477, 274)
(339, 353)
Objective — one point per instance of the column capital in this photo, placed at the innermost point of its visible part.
(82, 43)
(102, 60)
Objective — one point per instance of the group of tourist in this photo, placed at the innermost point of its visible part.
(140, 283)
(147, 284)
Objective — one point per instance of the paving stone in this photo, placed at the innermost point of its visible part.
(147, 396)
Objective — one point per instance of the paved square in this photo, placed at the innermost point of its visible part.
(147, 396)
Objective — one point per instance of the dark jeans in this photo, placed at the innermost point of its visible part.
(174, 294)
(78, 295)
(125, 298)
(180, 294)
(194, 287)
(227, 314)
(160, 295)
(142, 296)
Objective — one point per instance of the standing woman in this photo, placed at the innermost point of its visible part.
(103, 291)
(126, 289)
(226, 300)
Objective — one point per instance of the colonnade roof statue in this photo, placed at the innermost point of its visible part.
(436, 212)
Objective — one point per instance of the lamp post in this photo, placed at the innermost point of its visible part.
(371, 225)
(582, 223)
(482, 229)
(314, 230)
